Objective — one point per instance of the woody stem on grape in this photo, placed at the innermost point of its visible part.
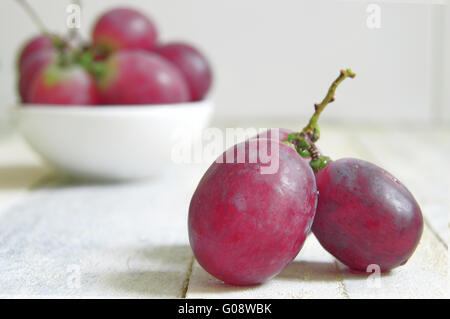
(59, 43)
(312, 129)
(304, 142)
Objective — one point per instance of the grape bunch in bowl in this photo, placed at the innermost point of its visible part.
(124, 63)
(98, 108)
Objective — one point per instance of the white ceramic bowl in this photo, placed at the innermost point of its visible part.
(112, 142)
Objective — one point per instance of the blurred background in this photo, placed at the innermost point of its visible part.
(274, 59)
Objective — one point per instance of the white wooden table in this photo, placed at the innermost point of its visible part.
(63, 238)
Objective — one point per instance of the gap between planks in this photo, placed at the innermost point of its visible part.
(188, 278)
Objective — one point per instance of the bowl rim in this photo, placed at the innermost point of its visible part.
(110, 109)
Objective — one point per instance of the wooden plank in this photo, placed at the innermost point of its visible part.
(423, 276)
(98, 240)
(316, 274)
(313, 274)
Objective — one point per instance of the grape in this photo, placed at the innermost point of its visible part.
(124, 28)
(192, 64)
(139, 77)
(365, 216)
(69, 85)
(245, 226)
(33, 46)
(31, 68)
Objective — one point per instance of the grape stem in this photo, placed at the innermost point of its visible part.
(312, 129)
(64, 48)
(58, 42)
(304, 142)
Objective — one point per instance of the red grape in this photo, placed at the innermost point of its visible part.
(31, 68)
(70, 85)
(193, 65)
(139, 77)
(245, 226)
(365, 216)
(124, 28)
(33, 46)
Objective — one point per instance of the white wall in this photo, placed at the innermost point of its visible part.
(446, 67)
(275, 58)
